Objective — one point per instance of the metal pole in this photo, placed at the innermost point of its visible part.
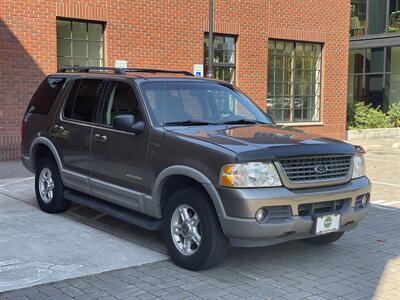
(210, 72)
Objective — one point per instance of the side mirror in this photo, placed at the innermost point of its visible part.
(127, 123)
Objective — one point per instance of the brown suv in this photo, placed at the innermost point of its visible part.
(191, 156)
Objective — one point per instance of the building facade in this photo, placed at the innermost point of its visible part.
(374, 60)
(291, 57)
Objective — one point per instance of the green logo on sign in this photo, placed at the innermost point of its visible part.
(327, 222)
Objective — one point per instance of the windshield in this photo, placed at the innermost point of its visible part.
(179, 103)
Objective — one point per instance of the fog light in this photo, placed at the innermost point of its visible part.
(260, 215)
(364, 201)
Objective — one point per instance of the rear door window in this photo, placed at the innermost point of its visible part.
(83, 99)
(44, 97)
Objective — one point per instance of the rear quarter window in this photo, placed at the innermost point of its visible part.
(45, 95)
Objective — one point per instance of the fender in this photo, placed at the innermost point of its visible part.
(41, 140)
(191, 173)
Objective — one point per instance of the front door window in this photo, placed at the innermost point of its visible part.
(120, 100)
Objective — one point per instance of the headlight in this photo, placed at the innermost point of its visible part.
(358, 166)
(253, 174)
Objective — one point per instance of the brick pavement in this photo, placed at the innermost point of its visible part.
(364, 264)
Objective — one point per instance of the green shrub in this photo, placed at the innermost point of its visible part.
(350, 117)
(394, 114)
(361, 116)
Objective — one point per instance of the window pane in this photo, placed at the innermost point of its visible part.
(279, 75)
(358, 17)
(374, 60)
(63, 47)
(356, 61)
(377, 16)
(79, 30)
(355, 88)
(86, 100)
(394, 16)
(64, 62)
(79, 49)
(393, 60)
(224, 73)
(63, 29)
(393, 90)
(374, 90)
(80, 62)
(218, 42)
(95, 32)
(230, 43)
(279, 62)
(95, 49)
(95, 62)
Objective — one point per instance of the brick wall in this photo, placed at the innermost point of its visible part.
(169, 34)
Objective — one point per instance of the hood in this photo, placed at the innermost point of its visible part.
(259, 142)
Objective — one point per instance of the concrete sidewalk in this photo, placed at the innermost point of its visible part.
(36, 247)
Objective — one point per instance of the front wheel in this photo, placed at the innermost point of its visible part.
(324, 239)
(192, 232)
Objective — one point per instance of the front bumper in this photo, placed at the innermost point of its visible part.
(241, 205)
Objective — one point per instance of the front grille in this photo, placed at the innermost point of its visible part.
(328, 207)
(305, 170)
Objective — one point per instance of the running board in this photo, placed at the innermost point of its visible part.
(119, 212)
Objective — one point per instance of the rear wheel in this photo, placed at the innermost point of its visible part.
(49, 187)
(192, 232)
(324, 239)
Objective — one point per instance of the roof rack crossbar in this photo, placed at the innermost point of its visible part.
(120, 70)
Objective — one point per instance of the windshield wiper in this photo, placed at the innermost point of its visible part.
(187, 123)
(243, 121)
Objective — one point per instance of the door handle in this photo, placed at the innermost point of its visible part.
(58, 128)
(100, 138)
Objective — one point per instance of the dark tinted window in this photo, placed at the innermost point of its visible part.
(82, 100)
(44, 97)
(120, 100)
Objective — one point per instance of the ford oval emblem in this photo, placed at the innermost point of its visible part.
(321, 169)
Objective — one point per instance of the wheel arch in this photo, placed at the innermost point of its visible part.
(43, 143)
(189, 174)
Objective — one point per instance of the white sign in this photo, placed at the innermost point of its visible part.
(121, 64)
(198, 70)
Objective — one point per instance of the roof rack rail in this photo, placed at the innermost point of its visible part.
(120, 70)
(89, 69)
(144, 70)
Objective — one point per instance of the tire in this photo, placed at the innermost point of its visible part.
(48, 169)
(324, 239)
(213, 244)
